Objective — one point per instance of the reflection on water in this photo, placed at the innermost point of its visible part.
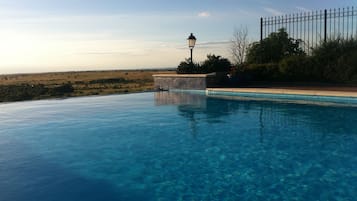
(269, 114)
(130, 148)
(188, 105)
(192, 100)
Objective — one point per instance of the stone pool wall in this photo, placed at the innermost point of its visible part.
(184, 81)
(181, 99)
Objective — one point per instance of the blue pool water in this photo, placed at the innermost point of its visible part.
(172, 146)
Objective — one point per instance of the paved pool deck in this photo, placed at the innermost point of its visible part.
(342, 92)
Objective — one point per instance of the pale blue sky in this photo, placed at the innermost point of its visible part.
(63, 35)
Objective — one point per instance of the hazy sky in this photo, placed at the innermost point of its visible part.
(63, 35)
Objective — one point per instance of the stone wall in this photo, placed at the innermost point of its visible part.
(180, 99)
(183, 81)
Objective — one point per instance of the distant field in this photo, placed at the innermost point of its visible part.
(19, 87)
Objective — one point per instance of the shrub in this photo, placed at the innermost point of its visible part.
(186, 67)
(62, 90)
(333, 61)
(297, 68)
(347, 65)
(212, 64)
(215, 63)
(21, 92)
(274, 48)
(109, 81)
(262, 72)
(336, 60)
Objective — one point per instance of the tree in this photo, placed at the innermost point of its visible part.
(212, 64)
(335, 60)
(274, 48)
(215, 63)
(239, 45)
(187, 67)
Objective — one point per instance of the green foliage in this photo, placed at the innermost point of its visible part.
(109, 81)
(336, 60)
(30, 92)
(332, 61)
(262, 72)
(61, 90)
(212, 64)
(21, 92)
(297, 68)
(215, 63)
(186, 67)
(274, 48)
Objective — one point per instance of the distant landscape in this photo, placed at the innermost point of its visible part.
(19, 87)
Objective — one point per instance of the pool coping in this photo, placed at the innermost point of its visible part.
(274, 94)
(347, 94)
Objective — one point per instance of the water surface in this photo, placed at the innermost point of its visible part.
(172, 146)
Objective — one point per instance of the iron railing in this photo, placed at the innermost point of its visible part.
(313, 27)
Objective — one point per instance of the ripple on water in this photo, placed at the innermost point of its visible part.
(149, 147)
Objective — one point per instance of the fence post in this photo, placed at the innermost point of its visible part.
(261, 29)
(325, 26)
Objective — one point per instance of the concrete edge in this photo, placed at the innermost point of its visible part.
(286, 91)
(185, 75)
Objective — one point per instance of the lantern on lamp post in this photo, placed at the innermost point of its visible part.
(191, 43)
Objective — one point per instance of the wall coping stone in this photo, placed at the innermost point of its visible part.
(186, 75)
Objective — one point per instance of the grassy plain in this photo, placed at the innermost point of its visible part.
(83, 83)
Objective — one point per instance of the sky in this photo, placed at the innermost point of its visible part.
(78, 35)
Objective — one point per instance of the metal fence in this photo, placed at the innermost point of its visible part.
(313, 27)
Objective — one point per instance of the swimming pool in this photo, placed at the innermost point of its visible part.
(176, 146)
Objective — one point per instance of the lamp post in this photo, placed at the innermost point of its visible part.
(191, 43)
